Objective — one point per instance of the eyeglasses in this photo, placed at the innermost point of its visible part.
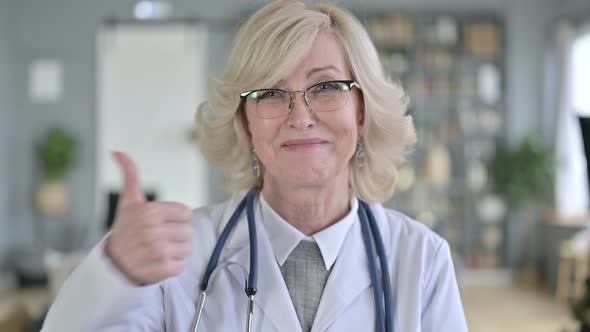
(322, 97)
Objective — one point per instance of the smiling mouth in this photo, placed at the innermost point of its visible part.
(303, 144)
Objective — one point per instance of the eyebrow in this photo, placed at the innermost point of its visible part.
(315, 70)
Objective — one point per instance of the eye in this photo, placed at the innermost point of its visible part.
(326, 86)
(267, 94)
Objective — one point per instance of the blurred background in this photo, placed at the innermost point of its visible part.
(499, 90)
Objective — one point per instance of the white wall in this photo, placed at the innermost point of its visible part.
(150, 79)
(7, 110)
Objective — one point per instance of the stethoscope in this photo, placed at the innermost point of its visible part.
(369, 231)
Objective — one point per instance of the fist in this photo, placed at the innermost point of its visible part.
(149, 241)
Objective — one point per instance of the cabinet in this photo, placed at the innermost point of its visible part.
(452, 67)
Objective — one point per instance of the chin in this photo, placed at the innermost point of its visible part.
(311, 176)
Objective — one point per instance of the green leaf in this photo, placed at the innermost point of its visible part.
(525, 172)
(57, 155)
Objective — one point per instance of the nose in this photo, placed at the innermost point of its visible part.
(300, 116)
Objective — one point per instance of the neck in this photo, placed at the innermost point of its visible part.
(310, 209)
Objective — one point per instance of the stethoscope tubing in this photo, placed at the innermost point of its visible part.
(386, 279)
(366, 232)
(371, 236)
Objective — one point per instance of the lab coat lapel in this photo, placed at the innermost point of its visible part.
(349, 277)
(272, 298)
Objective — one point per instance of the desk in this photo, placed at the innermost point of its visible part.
(18, 308)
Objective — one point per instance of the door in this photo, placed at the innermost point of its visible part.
(150, 79)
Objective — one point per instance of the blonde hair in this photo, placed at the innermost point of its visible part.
(267, 47)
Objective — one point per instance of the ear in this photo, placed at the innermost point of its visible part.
(361, 114)
(245, 124)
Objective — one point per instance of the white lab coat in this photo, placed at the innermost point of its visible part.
(97, 297)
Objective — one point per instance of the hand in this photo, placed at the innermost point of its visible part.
(149, 241)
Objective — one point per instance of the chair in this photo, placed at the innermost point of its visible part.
(573, 269)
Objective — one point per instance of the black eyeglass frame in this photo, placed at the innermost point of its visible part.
(349, 83)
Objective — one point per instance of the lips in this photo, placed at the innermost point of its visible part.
(304, 143)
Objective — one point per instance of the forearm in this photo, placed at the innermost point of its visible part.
(97, 297)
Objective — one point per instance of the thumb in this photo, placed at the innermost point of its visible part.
(132, 191)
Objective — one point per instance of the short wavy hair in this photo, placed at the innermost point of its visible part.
(266, 48)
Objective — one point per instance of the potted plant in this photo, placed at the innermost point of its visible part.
(524, 176)
(524, 173)
(56, 157)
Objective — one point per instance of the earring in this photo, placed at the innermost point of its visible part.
(360, 153)
(255, 163)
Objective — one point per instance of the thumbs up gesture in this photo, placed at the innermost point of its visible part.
(149, 241)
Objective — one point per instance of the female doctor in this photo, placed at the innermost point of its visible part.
(304, 121)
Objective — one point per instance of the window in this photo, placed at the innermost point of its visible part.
(581, 75)
(572, 195)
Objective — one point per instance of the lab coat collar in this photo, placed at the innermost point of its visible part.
(272, 297)
(347, 280)
(350, 276)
